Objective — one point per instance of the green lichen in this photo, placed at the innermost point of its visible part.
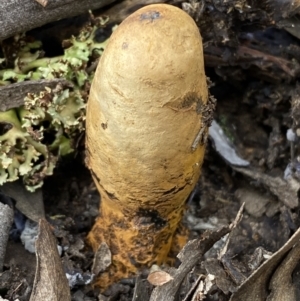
(25, 147)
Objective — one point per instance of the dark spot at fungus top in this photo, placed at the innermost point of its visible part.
(190, 99)
(152, 15)
(104, 126)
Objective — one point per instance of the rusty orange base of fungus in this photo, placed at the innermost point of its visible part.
(142, 240)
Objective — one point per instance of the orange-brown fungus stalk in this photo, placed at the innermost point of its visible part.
(146, 135)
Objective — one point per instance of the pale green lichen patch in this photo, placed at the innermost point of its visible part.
(26, 150)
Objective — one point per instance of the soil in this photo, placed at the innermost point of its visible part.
(254, 78)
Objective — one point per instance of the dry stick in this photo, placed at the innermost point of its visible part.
(12, 96)
(6, 220)
(22, 15)
(42, 2)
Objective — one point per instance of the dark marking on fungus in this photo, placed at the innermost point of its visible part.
(191, 101)
(146, 217)
(110, 195)
(104, 125)
(170, 191)
(152, 15)
(94, 175)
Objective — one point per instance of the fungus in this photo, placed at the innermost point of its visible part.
(147, 119)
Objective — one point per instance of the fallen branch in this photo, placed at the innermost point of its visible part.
(6, 220)
(12, 96)
(22, 15)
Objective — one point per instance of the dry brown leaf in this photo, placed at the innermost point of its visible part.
(42, 2)
(159, 278)
(30, 204)
(141, 291)
(281, 285)
(200, 288)
(50, 283)
(102, 259)
(256, 287)
(223, 282)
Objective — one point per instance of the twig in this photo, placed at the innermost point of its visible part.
(6, 220)
(18, 16)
